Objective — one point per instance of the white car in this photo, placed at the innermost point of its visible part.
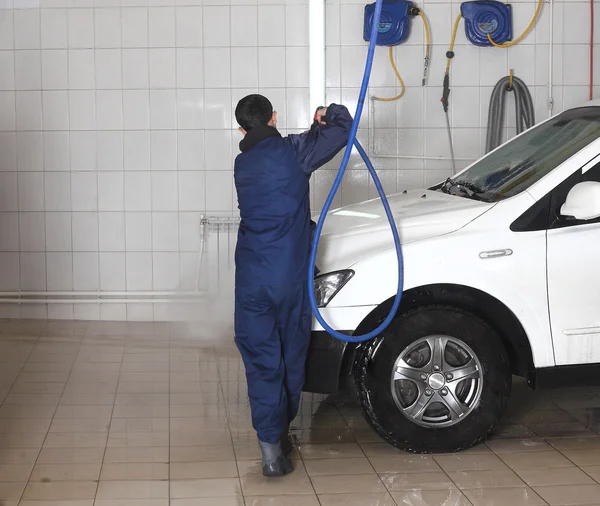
(501, 277)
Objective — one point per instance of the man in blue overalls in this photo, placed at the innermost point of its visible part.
(272, 312)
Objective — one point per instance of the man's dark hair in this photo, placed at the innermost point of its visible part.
(253, 111)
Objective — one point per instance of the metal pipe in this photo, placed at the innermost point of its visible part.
(316, 53)
(98, 301)
(188, 293)
(551, 60)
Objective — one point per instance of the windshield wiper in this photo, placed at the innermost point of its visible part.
(471, 190)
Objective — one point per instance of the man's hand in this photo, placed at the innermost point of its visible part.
(320, 114)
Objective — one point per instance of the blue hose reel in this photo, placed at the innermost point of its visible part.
(483, 17)
(394, 23)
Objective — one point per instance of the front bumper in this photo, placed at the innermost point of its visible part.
(325, 363)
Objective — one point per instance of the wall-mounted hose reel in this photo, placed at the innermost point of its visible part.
(485, 18)
(394, 29)
(488, 23)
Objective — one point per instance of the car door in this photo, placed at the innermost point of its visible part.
(573, 260)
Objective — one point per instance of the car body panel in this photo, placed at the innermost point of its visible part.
(445, 240)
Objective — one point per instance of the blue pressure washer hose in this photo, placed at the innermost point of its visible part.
(336, 184)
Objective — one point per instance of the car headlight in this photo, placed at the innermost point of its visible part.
(328, 285)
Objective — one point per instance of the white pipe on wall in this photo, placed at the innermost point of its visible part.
(316, 53)
(98, 301)
(551, 60)
(102, 294)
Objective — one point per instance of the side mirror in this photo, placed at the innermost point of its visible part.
(583, 202)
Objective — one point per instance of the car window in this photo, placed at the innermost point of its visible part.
(517, 165)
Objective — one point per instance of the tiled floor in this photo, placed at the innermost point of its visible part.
(108, 414)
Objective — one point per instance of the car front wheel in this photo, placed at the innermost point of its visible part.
(436, 381)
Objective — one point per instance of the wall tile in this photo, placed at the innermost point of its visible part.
(55, 74)
(32, 231)
(57, 191)
(58, 232)
(107, 27)
(85, 231)
(81, 69)
(27, 28)
(163, 151)
(161, 26)
(112, 272)
(134, 24)
(83, 151)
(138, 231)
(243, 31)
(53, 28)
(80, 24)
(190, 67)
(111, 227)
(86, 271)
(30, 151)
(136, 73)
(33, 271)
(59, 268)
(188, 26)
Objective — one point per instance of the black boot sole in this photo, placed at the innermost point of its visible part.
(280, 467)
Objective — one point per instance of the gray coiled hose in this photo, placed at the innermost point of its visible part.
(523, 109)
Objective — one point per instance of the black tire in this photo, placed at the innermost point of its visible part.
(373, 377)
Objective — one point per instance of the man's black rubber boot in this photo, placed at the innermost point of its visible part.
(274, 462)
(286, 443)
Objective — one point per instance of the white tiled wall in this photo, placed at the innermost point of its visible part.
(117, 131)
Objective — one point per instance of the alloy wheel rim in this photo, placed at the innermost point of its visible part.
(437, 381)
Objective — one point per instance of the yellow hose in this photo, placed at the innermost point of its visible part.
(452, 40)
(403, 89)
(393, 63)
(513, 42)
(427, 47)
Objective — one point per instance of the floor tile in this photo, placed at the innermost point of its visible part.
(417, 481)
(75, 502)
(216, 501)
(377, 499)
(202, 453)
(15, 472)
(504, 497)
(136, 454)
(405, 463)
(131, 502)
(134, 471)
(461, 462)
(583, 457)
(70, 455)
(361, 483)
(323, 467)
(11, 490)
(201, 470)
(134, 489)
(60, 490)
(535, 460)
(217, 487)
(500, 446)
(570, 495)
(560, 476)
(66, 472)
(485, 479)
(331, 451)
(433, 498)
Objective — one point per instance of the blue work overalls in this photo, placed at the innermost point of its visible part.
(272, 312)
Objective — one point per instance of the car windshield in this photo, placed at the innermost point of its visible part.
(517, 165)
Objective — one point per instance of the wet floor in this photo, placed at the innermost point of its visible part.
(114, 414)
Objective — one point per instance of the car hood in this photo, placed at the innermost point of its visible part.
(355, 232)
